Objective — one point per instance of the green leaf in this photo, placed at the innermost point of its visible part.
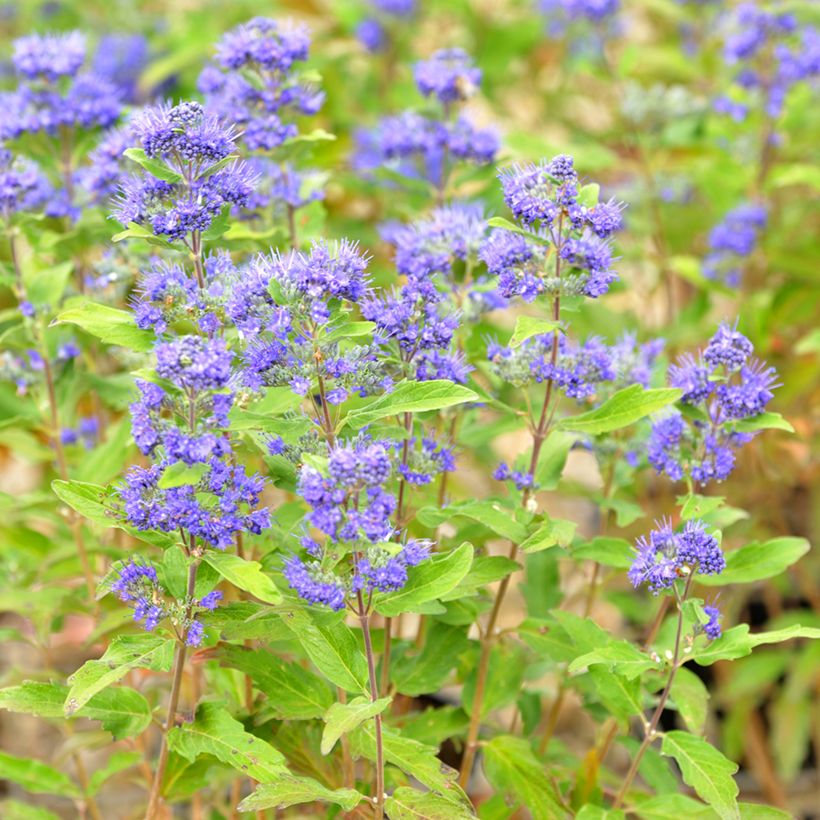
(698, 506)
(291, 791)
(413, 758)
(343, 718)
(427, 581)
(505, 224)
(503, 682)
(180, 474)
(154, 167)
(332, 647)
(512, 767)
(36, 777)
(589, 194)
(126, 652)
(553, 458)
(621, 657)
(624, 408)
(737, 642)
(756, 811)
(111, 325)
(756, 561)
(428, 670)
(247, 575)
(611, 552)
(411, 397)
(217, 166)
(15, 810)
(529, 326)
(214, 732)
(117, 762)
(765, 421)
(690, 696)
(409, 804)
(47, 285)
(621, 696)
(122, 711)
(349, 330)
(85, 498)
(137, 231)
(106, 461)
(706, 770)
(673, 807)
(292, 692)
(556, 532)
(491, 514)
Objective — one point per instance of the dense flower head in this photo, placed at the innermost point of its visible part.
(712, 628)
(329, 271)
(449, 74)
(121, 58)
(425, 460)
(49, 56)
(102, 177)
(723, 386)
(138, 585)
(22, 185)
(194, 363)
(264, 42)
(666, 555)
(732, 241)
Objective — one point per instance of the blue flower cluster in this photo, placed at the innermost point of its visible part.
(23, 188)
(417, 145)
(426, 459)
(725, 385)
(666, 555)
(769, 57)
(137, 584)
(732, 241)
(199, 179)
(351, 508)
(545, 198)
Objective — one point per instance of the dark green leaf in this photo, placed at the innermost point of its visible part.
(624, 408)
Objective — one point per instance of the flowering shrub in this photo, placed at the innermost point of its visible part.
(388, 457)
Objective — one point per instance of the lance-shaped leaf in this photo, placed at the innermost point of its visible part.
(738, 642)
(757, 561)
(409, 804)
(342, 718)
(36, 777)
(117, 762)
(624, 408)
(621, 657)
(293, 692)
(411, 397)
(528, 326)
(592, 812)
(427, 581)
(764, 421)
(690, 696)
(706, 770)
(122, 711)
(154, 167)
(214, 732)
(673, 807)
(111, 325)
(491, 514)
(125, 653)
(86, 499)
(620, 695)
(512, 767)
(245, 574)
(291, 791)
(332, 646)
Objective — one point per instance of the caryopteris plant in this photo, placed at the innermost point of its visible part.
(374, 467)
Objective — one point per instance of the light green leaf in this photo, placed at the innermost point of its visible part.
(765, 421)
(673, 807)
(291, 791)
(553, 458)
(706, 770)
(106, 461)
(556, 532)
(154, 167)
(528, 326)
(698, 506)
(589, 194)
(621, 696)
(737, 642)
(124, 712)
(125, 652)
(621, 657)
(36, 777)
(292, 692)
(215, 732)
(109, 324)
(611, 552)
(505, 224)
(756, 561)
(85, 498)
(119, 761)
(411, 397)
(46, 286)
(624, 408)
(247, 575)
(691, 697)
(491, 514)
(427, 581)
(16, 810)
(332, 647)
(180, 474)
(349, 330)
(592, 812)
(512, 767)
(343, 718)
(756, 811)
(409, 804)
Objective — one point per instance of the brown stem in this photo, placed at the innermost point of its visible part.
(364, 620)
(82, 776)
(179, 666)
(196, 253)
(348, 773)
(650, 732)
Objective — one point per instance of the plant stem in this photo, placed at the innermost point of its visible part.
(176, 686)
(650, 731)
(488, 639)
(364, 620)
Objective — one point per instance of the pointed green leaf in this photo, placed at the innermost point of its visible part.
(36, 777)
(690, 696)
(109, 324)
(245, 574)
(154, 167)
(706, 770)
(428, 670)
(85, 498)
(528, 326)
(291, 791)
(673, 807)
(180, 474)
(621, 657)
(765, 421)
(342, 718)
(117, 762)
(738, 642)
(409, 804)
(757, 561)
(490, 514)
(620, 695)
(214, 732)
